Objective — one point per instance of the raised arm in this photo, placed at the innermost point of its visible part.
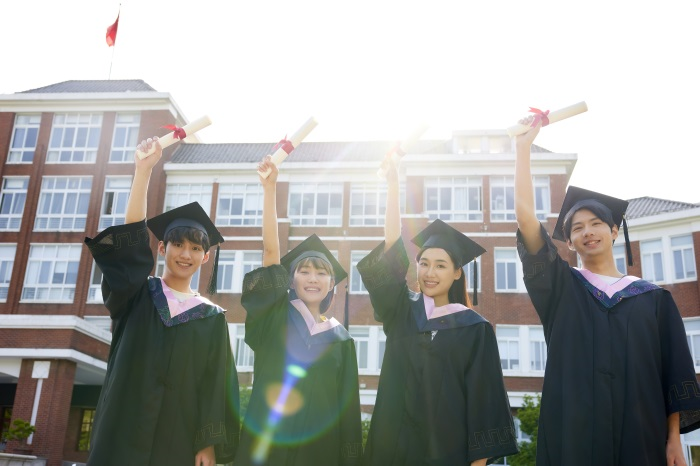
(136, 206)
(271, 237)
(524, 196)
(392, 216)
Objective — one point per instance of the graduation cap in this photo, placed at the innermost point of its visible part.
(579, 198)
(440, 235)
(191, 216)
(313, 247)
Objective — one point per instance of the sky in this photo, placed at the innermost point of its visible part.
(376, 69)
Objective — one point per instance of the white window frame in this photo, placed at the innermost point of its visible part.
(692, 333)
(356, 284)
(506, 344)
(8, 252)
(242, 353)
(25, 134)
(538, 346)
(687, 253)
(75, 187)
(51, 260)
(454, 185)
(310, 193)
(125, 137)
(233, 265)
(73, 150)
(251, 197)
(543, 198)
(13, 199)
(95, 289)
(467, 269)
(620, 257)
(652, 250)
(528, 337)
(502, 190)
(371, 339)
(114, 200)
(179, 194)
(363, 214)
(519, 283)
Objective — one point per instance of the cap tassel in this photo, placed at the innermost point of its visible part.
(211, 289)
(628, 246)
(474, 300)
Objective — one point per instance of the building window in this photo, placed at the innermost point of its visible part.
(356, 285)
(51, 274)
(75, 138)
(239, 204)
(509, 347)
(114, 201)
(692, 333)
(316, 204)
(95, 290)
(24, 137)
(242, 353)
(502, 198)
(454, 199)
(468, 270)
(370, 344)
(508, 271)
(538, 349)
(7, 261)
(233, 265)
(652, 260)
(87, 419)
(540, 185)
(13, 195)
(179, 194)
(368, 203)
(620, 257)
(160, 268)
(125, 137)
(101, 322)
(683, 257)
(63, 203)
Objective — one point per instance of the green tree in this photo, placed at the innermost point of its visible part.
(529, 416)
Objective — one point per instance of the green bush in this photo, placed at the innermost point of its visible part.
(529, 416)
(19, 430)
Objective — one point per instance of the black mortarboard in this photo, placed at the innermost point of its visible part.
(440, 235)
(192, 216)
(313, 247)
(579, 198)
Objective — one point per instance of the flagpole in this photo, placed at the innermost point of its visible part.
(109, 76)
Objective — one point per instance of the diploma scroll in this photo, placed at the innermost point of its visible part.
(171, 138)
(400, 149)
(285, 147)
(553, 116)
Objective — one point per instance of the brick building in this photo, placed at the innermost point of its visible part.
(66, 166)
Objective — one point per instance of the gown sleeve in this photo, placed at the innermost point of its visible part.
(350, 422)
(218, 399)
(124, 256)
(489, 422)
(384, 276)
(265, 294)
(679, 379)
(546, 276)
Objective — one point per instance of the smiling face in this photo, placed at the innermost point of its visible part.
(312, 281)
(182, 259)
(590, 236)
(436, 274)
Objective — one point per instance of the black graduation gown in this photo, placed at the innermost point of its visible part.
(321, 371)
(171, 387)
(440, 401)
(616, 367)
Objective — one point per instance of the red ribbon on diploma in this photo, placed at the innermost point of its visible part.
(285, 144)
(539, 116)
(179, 133)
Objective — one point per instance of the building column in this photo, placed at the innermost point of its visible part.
(43, 397)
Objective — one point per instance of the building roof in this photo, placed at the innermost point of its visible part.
(355, 151)
(646, 206)
(92, 86)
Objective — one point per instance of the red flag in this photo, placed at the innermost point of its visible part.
(112, 33)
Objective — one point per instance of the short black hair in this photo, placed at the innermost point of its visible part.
(193, 235)
(598, 209)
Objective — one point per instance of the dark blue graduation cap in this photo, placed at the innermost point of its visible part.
(313, 247)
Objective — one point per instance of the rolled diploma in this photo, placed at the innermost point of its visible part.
(280, 154)
(554, 116)
(170, 139)
(404, 146)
